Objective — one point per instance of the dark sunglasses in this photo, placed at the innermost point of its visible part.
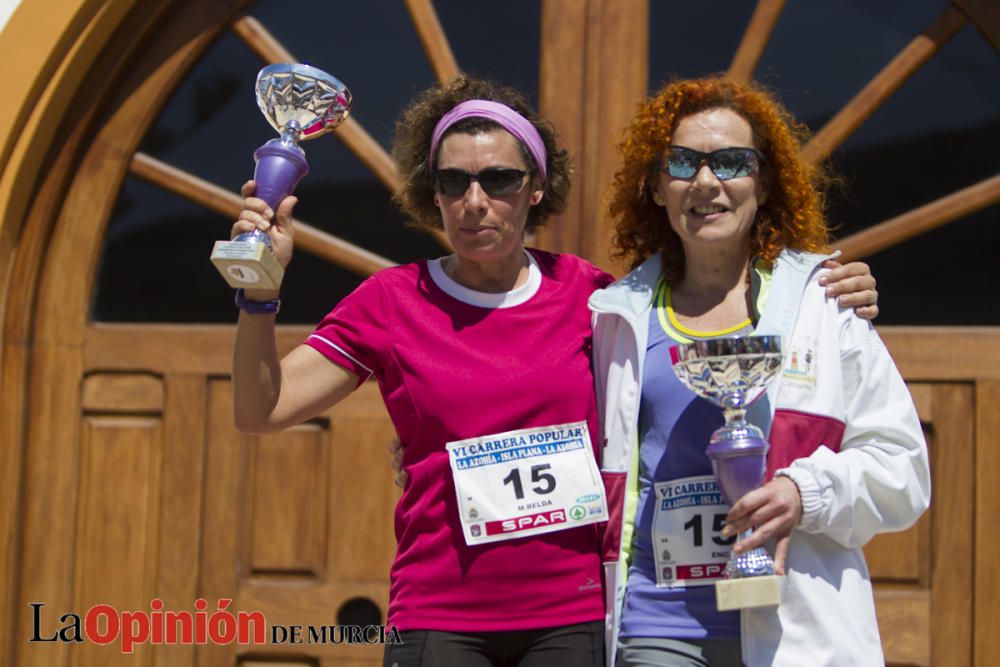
(725, 163)
(495, 181)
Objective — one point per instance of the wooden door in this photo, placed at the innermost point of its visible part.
(127, 482)
(137, 492)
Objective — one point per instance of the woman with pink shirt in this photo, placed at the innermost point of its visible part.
(483, 360)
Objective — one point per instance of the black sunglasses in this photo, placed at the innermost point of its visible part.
(495, 181)
(725, 163)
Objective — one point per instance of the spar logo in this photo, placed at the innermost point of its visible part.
(526, 522)
(103, 625)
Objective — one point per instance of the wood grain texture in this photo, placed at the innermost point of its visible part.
(287, 491)
(51, 493)
(205, 349)
(316, 605)
(987, 573)
(219, 563)
(180, 520)
(920, 220)
(944, 353)
(953, 458)
(18, 316)
(883, 85)
(755, 39)
(896, 557)
(284, 580)
(433, 39)
(117, 525)
(904, 618)
(617, 58)
(921, 353)
(986, 15)
(562, 77)
(49, 563)
(114, 392)
(307, 237)
(922, 394)
(595, 52)
(261, 41)
(362, 494)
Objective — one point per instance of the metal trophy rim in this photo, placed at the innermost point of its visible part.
(731, 396)
(313, 73)
(727, 347)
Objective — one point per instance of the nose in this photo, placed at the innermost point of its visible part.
(705, 179)
(475, 197)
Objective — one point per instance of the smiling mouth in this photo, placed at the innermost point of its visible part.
(708, 209)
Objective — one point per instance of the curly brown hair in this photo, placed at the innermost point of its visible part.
(792, 216)
(412, 143)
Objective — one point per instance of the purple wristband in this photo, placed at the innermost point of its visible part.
(256, 307)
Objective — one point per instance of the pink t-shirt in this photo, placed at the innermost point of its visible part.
(449, 370)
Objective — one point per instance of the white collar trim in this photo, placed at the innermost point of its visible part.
(515, 297)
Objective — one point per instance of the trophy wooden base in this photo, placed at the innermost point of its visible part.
(750, 592)
(247, 265)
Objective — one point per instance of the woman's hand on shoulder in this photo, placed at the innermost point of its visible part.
(853, 285)
(256, 214)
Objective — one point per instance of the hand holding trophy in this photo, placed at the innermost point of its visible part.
(300, 102)
(733, 373)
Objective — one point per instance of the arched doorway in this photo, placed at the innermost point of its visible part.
(127, 481)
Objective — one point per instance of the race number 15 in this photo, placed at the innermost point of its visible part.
(544, 482)
(718, 523)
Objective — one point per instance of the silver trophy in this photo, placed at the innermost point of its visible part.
(733, 373)
(300, 102)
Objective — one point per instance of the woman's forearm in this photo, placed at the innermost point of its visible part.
(256, 372)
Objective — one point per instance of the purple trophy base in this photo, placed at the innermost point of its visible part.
(739, 464)
(280, 167)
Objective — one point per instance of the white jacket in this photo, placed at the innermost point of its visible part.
(841, 425)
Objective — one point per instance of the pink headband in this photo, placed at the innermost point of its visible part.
(502, 115)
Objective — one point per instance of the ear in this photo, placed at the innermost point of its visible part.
(762, 198)
(536, 196)
(437, 202)
(657, 197)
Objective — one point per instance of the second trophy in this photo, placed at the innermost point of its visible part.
(732, 373)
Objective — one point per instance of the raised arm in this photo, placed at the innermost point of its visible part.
(268, 394)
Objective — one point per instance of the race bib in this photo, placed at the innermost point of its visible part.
(526, 482)
(688, 544)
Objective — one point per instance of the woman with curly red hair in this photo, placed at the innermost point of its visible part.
(722, 223)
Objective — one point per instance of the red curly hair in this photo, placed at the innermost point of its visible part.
(792, 216)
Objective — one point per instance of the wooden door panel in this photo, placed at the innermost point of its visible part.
(362, 540)
(314, 507)
(987, 572)
(287, 481)
(913, 572)
(952, 513)
(117, 527)
(181, 504)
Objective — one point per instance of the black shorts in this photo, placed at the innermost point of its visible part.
(579, 645)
